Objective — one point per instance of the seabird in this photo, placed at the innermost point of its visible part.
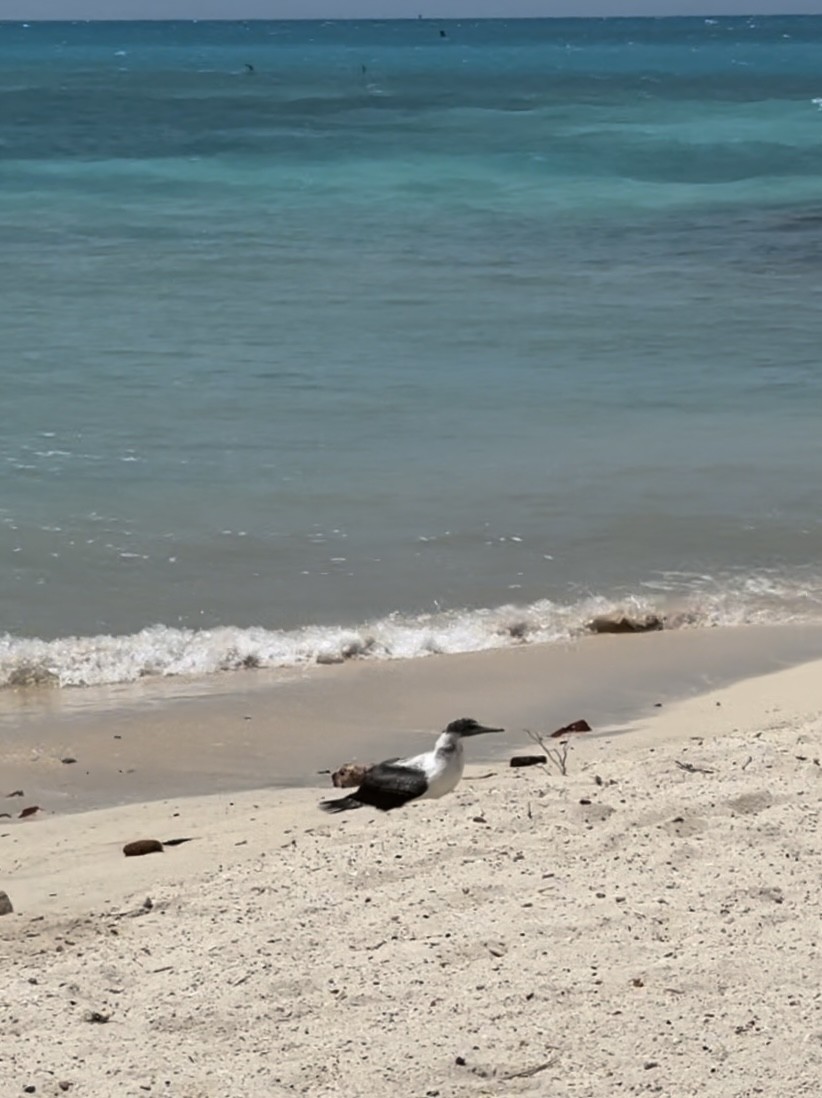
(395, 782)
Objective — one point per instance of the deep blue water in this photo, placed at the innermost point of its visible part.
(401, 329)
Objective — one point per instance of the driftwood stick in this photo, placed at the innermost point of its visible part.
(557, 755)
(694, 769)
(526, 1073)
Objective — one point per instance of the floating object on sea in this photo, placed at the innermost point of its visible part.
(622, 623)
(395, 782)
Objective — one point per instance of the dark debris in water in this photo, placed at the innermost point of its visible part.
(32, 674)
(623, 623)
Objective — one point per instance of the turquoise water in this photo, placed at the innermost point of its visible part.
(402, 339)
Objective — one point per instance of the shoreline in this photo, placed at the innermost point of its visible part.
(280, 729)
(624, 926)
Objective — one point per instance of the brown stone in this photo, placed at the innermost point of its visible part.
(574, 726)
(6, 907)
(143, 846)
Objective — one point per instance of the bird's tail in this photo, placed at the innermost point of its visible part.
(341, 804)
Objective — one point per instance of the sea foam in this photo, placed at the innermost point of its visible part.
(162, 650)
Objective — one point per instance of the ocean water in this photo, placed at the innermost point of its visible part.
(404, 341)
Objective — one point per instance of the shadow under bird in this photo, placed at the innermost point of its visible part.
(395, 782)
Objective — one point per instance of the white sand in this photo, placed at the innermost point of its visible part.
(661, 939)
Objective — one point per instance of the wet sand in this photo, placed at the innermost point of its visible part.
(267, 729)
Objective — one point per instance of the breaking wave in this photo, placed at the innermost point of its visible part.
(161, 650)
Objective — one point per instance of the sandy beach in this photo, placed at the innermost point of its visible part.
(362, 375)
(647, 923)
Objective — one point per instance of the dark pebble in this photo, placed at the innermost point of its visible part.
(529, 760)
(143, 846)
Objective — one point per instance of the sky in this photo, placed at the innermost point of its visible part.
(380, 9)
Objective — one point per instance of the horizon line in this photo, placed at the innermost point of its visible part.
(417, 18)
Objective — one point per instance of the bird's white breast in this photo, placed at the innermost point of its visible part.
(444, 770)
(442, 767)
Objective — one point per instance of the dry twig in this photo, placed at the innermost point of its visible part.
(694, 769)
(557, 755)
(526, 1073)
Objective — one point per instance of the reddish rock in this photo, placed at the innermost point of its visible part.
(574, 726)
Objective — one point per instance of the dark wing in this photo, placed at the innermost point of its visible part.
(388, 786)
(385, 786)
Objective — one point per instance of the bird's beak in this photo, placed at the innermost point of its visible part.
(482, 728)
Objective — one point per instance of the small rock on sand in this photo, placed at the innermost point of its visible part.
(143, 846)
(5, 904)
(528, 760)
(574, 726)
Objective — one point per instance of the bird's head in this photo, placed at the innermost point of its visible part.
(467, 726)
